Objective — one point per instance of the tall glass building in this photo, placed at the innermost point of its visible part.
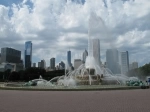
(28, 54)
(69, 58)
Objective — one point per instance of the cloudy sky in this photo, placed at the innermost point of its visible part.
(55, 26)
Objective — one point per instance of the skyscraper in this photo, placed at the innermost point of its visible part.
(69, 58)
(133, 65)
(34, 64)
(77, 63)
(124, 59)
(61, 65)
(39, 64)
(43, 64)
(10, 55)
(96, 50)
(112, 60)
(84, 56)
(28, 54)
(52, 63)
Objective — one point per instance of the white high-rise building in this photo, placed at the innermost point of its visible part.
(84, 56)
(112, 60)
(77, 63)
(96, 50)
(124, 59)
(43, 64)
(134, 65)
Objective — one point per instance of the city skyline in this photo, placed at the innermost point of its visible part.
(116, 61)
(121, 58)
(54, 30)
(28, 47)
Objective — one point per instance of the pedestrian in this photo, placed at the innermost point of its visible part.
(148, 81)
(147, 84)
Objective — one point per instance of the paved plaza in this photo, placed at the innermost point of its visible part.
(75, 101)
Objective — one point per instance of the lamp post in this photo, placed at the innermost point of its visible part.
(3, 76)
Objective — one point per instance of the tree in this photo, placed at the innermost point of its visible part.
(141, 72)
(2, 76)
(7, 74)
(34, 73)
(14, 76)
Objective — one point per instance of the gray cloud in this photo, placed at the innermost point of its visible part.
(55, 26)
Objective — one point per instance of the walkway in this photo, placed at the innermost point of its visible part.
(75, 101)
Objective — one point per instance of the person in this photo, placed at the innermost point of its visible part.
(147, 84)
(148, 81)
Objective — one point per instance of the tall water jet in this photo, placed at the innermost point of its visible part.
(93, 27)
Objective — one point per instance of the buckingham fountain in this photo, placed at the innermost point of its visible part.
(88, 74)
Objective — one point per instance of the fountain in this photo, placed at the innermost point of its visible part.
(87, 74)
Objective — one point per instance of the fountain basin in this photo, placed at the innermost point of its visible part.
(14, 86)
